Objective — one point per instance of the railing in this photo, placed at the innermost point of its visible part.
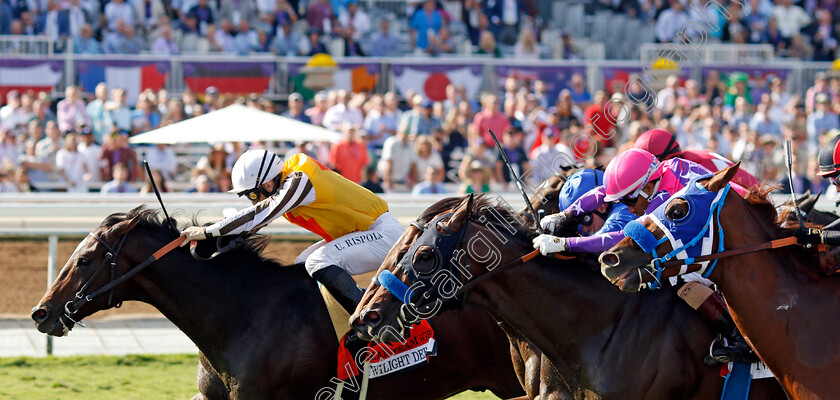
(26, 44)
(711, 53)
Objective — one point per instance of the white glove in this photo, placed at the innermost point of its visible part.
(193, 233)
(551, 222)
(549, 244)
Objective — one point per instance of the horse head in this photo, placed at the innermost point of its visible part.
(545, 199)
(435, 259)
(682, 228)
(100, 258)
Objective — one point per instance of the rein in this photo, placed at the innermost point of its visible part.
(73, 306)
(521, 260)
(773, 244)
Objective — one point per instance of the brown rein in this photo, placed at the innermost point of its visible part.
(773, 244)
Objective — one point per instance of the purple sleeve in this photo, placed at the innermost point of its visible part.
(590, 201)
(657, 200)
(684, 170)
(595, 243)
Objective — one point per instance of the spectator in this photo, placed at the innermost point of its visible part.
(443, 43)
(349, 156)
(117, 11)
(13, 115)
(477, 179)
(288, 42)
(162, 158)
(419, 121)
(149, 13)
(791, 18)
(71, 110)
(115, 151)
(203, 184)
(432, 183)
(317, 112)
(424, 24)
(90, 151)
(820, 86)
(372, 180)
(351, 47)
(320, 16)
(30, 25)
(117, 112)
(246, 38)
(120, 183)
(426, 156)
(123, 41)
(823, 36)
(8, 149)
(85, 43)
(487, 45)
(353, 21)
(160, 183)
(821, 121)
(580, 95)
(512, 145)
(164, 44)
(34, 169)
(526, 47)
(384, 43)
(215, 165)
(55, 23)
(204, 15)
(34, 130)
(670, 21)
(97, 113)
(264, 44)
(174, 112)
(773, 36)
(343, 111)
(741, 114)
(313, 45)
(192, 41)
(295, 110)
(238, 10)
(48, 147)
(397, 164)
(223, 37)
(488, 118)
(71, 165)
(380, 123)
(762, 124)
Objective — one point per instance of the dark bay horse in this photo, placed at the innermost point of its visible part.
(779, 300)
(603, 343)
(262, 329)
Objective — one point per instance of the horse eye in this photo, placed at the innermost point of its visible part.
(676, 213)
(83, 261)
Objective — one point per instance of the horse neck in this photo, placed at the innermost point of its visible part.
(561, 307)
(214, 304)
(775, 300)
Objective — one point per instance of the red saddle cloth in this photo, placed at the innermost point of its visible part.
(387, 358)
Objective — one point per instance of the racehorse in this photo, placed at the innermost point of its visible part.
(777, 297)
(262, 329)
(602, 342)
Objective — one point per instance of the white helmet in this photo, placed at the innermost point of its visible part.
(253, 168)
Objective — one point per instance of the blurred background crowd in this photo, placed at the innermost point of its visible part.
(804, 29)
(406, 143)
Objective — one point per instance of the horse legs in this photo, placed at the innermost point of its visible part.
(210, 385)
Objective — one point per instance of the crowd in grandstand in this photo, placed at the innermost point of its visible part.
(805, 29)
(417, 145)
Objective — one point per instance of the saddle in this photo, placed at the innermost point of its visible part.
(338, 315)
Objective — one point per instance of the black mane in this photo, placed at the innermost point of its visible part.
(152, 222)
(492, 208)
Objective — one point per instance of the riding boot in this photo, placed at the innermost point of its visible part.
(712, 307)
(341, 285)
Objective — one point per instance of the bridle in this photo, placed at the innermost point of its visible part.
(111, 254)
(448, 249)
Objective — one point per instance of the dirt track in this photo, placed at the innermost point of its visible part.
(23, 273)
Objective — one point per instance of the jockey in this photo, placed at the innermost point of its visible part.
(609, 217)
(830, 169)
(664, 146)
(638, 180)
(356, 227)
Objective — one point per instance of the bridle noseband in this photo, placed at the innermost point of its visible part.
(111, 254)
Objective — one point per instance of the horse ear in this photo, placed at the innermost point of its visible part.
(123, 227)
(807, 204)
(722, 177)
(462, 213)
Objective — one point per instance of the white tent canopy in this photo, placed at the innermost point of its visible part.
(237, 123)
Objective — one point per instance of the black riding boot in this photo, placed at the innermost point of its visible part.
(341, 285)
(712, 307)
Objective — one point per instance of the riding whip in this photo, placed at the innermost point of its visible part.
(516, 180)
(789, 165)
(157, 193)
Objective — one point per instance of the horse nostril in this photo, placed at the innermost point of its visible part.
(39, 315)
(372, 318)
(610, 259)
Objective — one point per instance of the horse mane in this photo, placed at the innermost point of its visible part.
(491, 208)
(151, 220)
(758, 199)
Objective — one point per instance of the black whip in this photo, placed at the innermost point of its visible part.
(789, 165)
(157, 193)
(516, 180)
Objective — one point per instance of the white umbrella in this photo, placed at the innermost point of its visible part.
(237, 123)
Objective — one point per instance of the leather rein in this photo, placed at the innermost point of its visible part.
(73, 306)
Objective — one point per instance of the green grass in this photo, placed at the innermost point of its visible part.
(104, 378)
